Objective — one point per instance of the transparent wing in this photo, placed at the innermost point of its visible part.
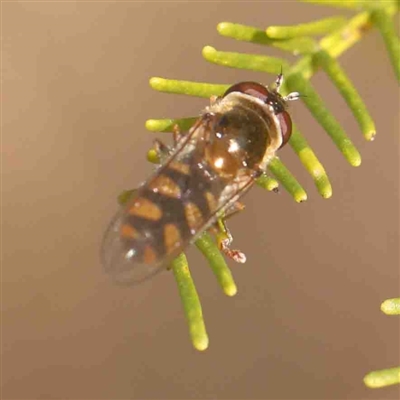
(123, 262)
(119, 261)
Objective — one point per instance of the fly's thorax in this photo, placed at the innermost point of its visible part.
(245, 133)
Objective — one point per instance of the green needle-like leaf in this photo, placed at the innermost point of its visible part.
(251, 62)
(267, 182)
(289, 182)
(391, 376)
(191, 303)
(167, 125)
(384, 22)
(391, 306)
(153, 157)
(321, 113)
(352, 4)
(308, 29)
(342, 39)
(217, 263)
(348, 91)
(382, 378)
(311, 163)
(186, 87)
(243, 33)
(301, 45)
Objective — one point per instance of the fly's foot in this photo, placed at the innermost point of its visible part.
(224, 241)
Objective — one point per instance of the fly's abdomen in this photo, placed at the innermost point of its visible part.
(160, 220)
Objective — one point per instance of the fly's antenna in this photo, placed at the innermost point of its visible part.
(279, 80)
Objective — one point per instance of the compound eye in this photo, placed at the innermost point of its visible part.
(285, 122)
(251, 88)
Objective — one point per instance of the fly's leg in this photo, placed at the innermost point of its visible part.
(224, 237)
(162, 150)
(177, 134)
(224, 241)
(235, 208)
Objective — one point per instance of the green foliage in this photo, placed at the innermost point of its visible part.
(314, 54)
(382, 378)
(191, 302)
(389, 376)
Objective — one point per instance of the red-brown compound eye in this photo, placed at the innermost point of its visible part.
(285, 122)
(251, 88)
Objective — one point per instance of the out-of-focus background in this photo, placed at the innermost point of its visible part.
(305, 323)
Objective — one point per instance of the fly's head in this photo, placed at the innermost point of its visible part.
(276, 103)
(250, 122)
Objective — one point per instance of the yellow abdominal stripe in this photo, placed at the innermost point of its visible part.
(180, 167)
(212, 202)
(145, 208)
(172, 237)
(149, 255)
(128, 231)
(166, 186)
(193, 215)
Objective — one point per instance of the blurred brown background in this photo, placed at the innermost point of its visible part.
(305, 323)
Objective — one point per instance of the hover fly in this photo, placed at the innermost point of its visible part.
(199, 181)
